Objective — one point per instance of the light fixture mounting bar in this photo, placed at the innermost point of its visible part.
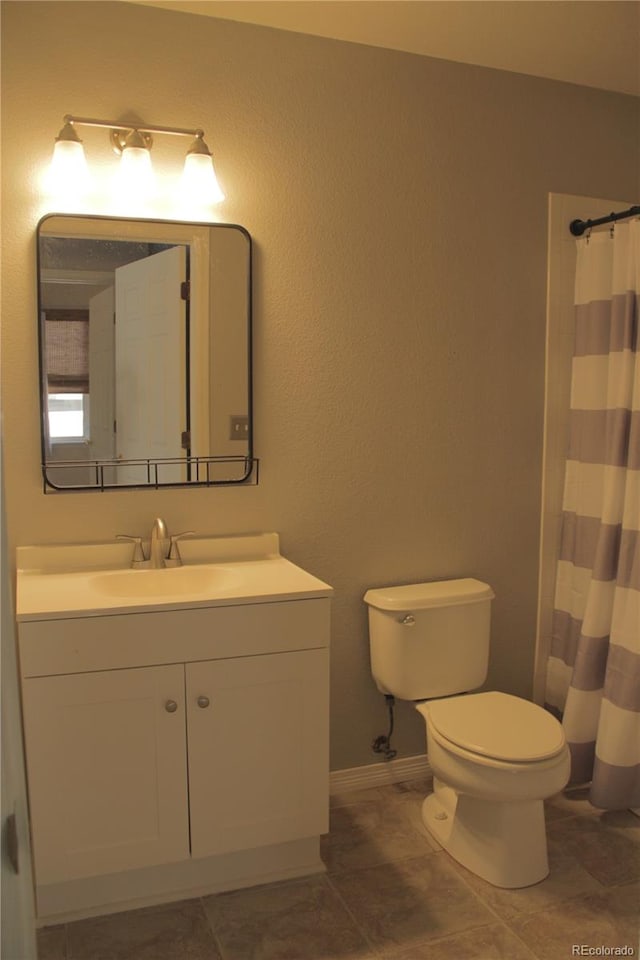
(140, 127)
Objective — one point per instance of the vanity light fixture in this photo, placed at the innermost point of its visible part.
(133, 143)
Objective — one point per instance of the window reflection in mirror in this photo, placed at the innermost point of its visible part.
(145, 352)
(67, 416)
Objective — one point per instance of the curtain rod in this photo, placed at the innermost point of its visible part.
(578, 227)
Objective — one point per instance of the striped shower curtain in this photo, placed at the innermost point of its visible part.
(593, 674)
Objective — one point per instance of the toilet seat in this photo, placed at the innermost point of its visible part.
(497, 726)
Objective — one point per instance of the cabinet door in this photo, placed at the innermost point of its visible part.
(258, 750)
(106, 765)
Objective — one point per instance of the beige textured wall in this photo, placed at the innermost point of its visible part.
(398, 206)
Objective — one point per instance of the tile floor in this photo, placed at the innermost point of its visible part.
(390, 894)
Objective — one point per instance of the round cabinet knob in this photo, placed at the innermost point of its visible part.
(203, 702)
(171, 706)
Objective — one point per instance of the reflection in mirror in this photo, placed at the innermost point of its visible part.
(145, 352)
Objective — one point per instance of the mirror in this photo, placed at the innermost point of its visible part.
(145, 353)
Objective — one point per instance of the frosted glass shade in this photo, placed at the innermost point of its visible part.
(68, 172)
(199, 183)
(135, 179)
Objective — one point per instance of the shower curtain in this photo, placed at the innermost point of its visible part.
(593, 673)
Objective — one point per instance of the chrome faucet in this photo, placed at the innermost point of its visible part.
(163, 549)
(159, 547)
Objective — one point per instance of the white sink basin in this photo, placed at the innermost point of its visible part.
(172, 582)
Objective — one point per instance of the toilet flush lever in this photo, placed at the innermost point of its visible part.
(408, 620)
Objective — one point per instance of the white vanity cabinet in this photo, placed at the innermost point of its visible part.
(124, 765)
(177, 751)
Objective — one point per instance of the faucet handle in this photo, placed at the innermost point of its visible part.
(174, 550)
(138, 552)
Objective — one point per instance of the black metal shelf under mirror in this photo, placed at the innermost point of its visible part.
(144, 332)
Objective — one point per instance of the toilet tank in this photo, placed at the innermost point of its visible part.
(429, 639)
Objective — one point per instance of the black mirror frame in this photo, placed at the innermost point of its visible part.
(248, 462)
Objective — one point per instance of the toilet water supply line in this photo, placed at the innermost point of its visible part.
(382, 744)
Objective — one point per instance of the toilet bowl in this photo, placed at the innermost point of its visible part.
(495, 759)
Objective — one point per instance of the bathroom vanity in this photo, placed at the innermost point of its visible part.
(176, 721)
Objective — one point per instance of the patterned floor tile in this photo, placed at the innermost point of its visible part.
(409, 901)
(494, 942)
(52, 943)
(153, 933)
(374, 831)
(607, 845)
(300, 920)
(604, 920)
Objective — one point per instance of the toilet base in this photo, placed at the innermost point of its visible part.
(504, 843)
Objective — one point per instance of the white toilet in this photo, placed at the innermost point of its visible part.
(494, 757)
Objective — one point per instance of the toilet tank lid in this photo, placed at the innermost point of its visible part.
(436, 593)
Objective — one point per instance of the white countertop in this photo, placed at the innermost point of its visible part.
(82, 580)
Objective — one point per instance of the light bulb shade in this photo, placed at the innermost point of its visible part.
(68, 173)
(135, 178)
(199, 182)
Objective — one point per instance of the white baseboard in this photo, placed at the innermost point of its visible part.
(379, 774)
